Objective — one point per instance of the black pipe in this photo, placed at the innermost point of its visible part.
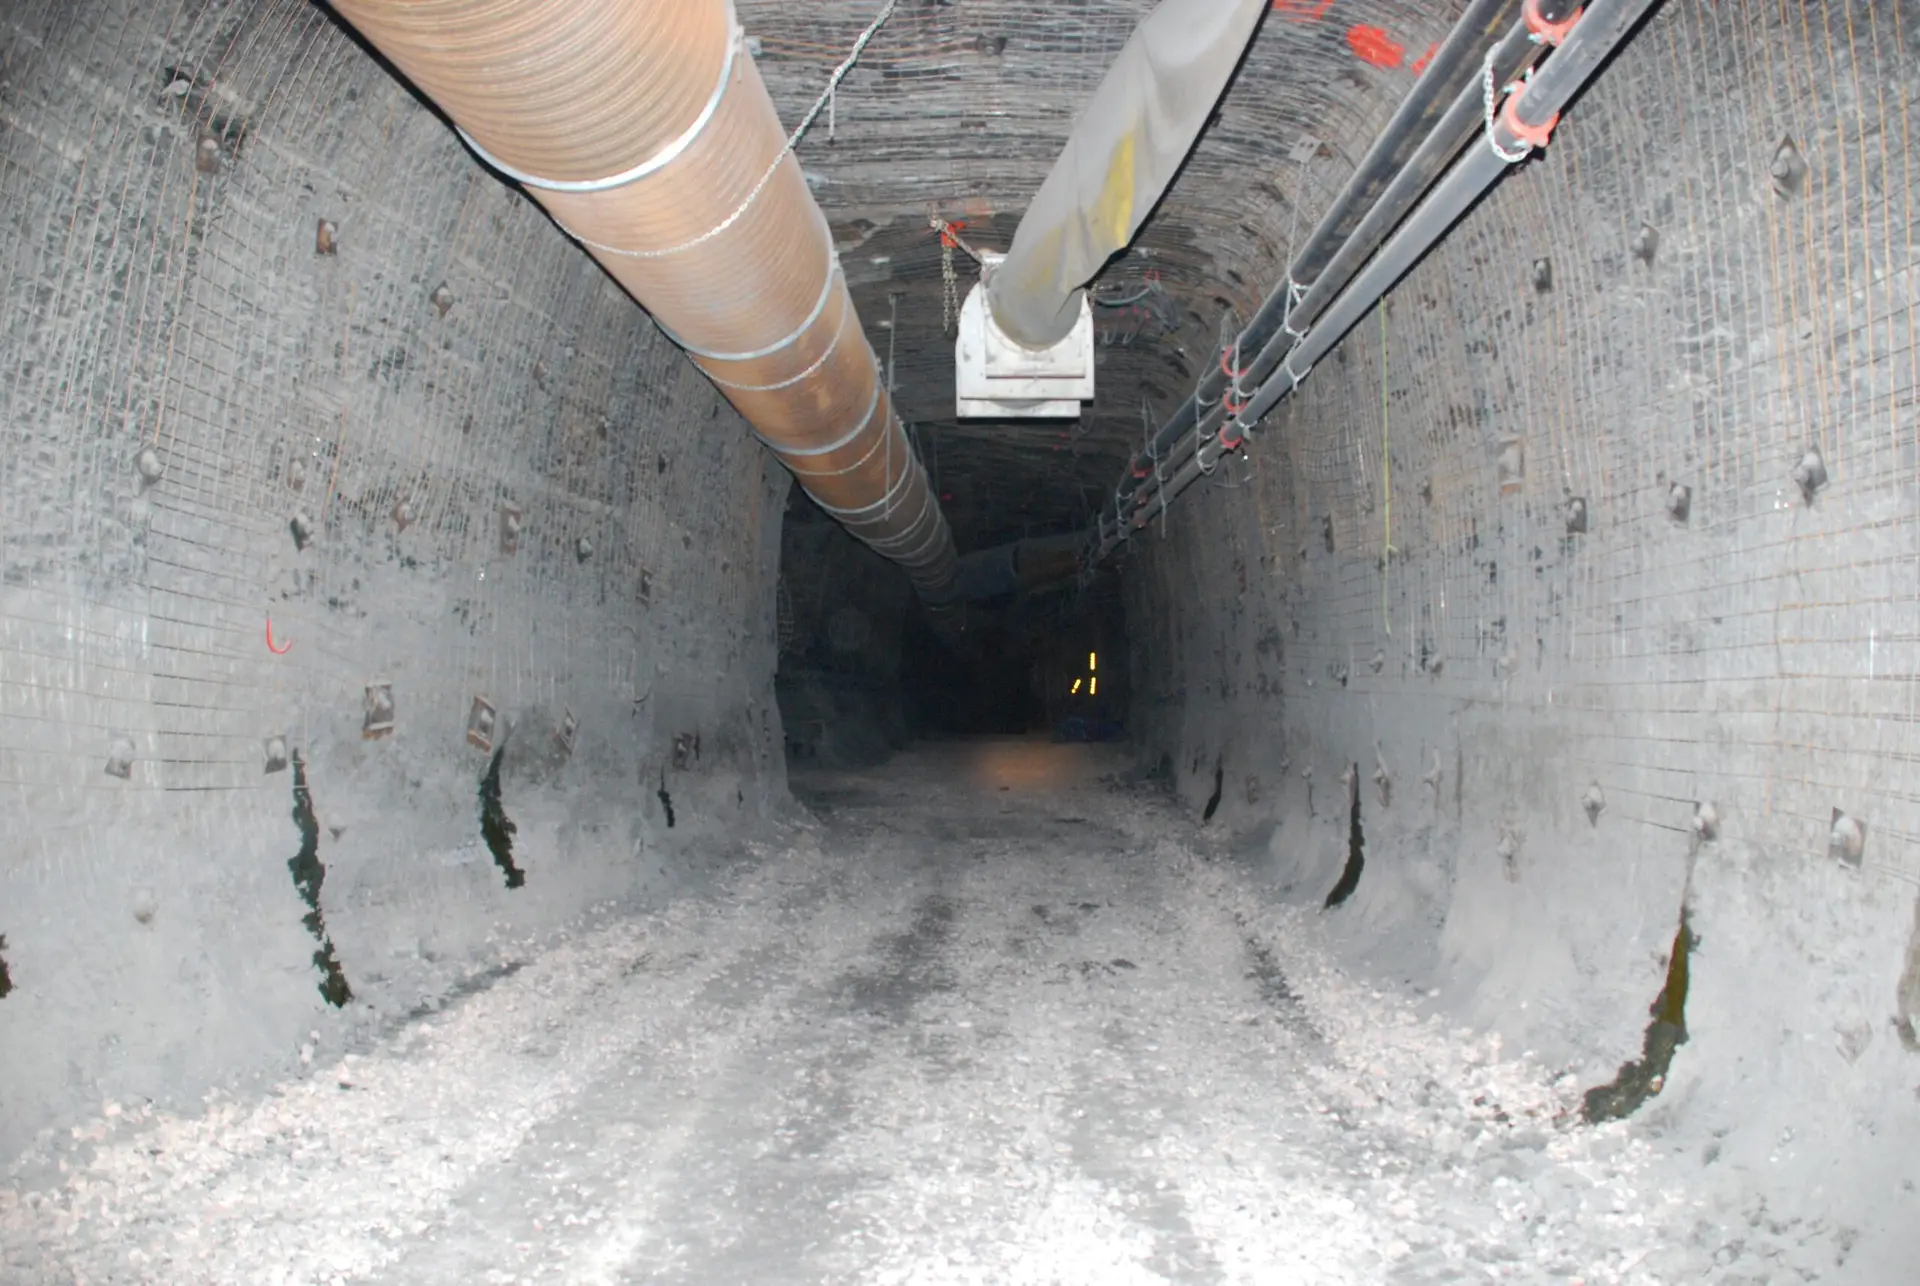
(1605, 24)
(1381, 174)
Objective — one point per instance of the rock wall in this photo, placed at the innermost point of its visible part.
(1587, 567)
(844, 614)
(373, 575)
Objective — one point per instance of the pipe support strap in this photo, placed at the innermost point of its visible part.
(884, 504)
(818, 362)
(792, 336)
(845, 439)
(658, 161)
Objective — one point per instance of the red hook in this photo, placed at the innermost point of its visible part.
(278, 649)
(1532, 135)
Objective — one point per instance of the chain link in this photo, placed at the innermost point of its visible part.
(950, 301)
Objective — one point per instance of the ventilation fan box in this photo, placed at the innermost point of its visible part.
(998, 379)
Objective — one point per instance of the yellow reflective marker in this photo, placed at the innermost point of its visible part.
(1093, 661)
(1093, 687)
(1076, 687)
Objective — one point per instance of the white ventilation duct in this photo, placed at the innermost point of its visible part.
(1129, 142)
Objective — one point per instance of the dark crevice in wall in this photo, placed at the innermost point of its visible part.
(1219, 784)
(308, 875)
(1642, 1078)
(6, 978)
(666, 800)
(497, 828)
(1356, 852)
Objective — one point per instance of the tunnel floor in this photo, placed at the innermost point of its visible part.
(994, 1016)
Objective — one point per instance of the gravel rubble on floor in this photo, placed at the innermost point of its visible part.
(929, 1039)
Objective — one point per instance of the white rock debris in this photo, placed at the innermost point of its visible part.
(941, 1037)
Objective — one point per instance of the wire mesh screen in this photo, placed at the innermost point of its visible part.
(287, 353)
(331, 470)
(1632, 454)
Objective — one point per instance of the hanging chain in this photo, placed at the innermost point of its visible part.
(950, 239)
(950, 300)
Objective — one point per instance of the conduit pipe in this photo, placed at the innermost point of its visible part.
(644, 129)
(1603, 26)
(1425, 132)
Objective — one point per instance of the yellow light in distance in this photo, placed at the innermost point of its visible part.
(1093, 686)
(1093, 660)
(1076, 687)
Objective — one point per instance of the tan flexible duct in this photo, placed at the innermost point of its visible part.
(644, 129)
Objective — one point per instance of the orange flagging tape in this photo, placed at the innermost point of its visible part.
(1373, 46)
(1302, 10)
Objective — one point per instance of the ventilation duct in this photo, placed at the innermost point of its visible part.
(1021, 566)
(645, 131)
(1124, 150)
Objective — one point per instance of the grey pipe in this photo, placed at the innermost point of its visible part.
(1176, 442)
(1605, 25)
(1402, 163)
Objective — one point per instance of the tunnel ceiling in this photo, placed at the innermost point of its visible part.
(959, 107)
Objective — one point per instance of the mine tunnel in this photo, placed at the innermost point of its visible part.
(959, 641)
